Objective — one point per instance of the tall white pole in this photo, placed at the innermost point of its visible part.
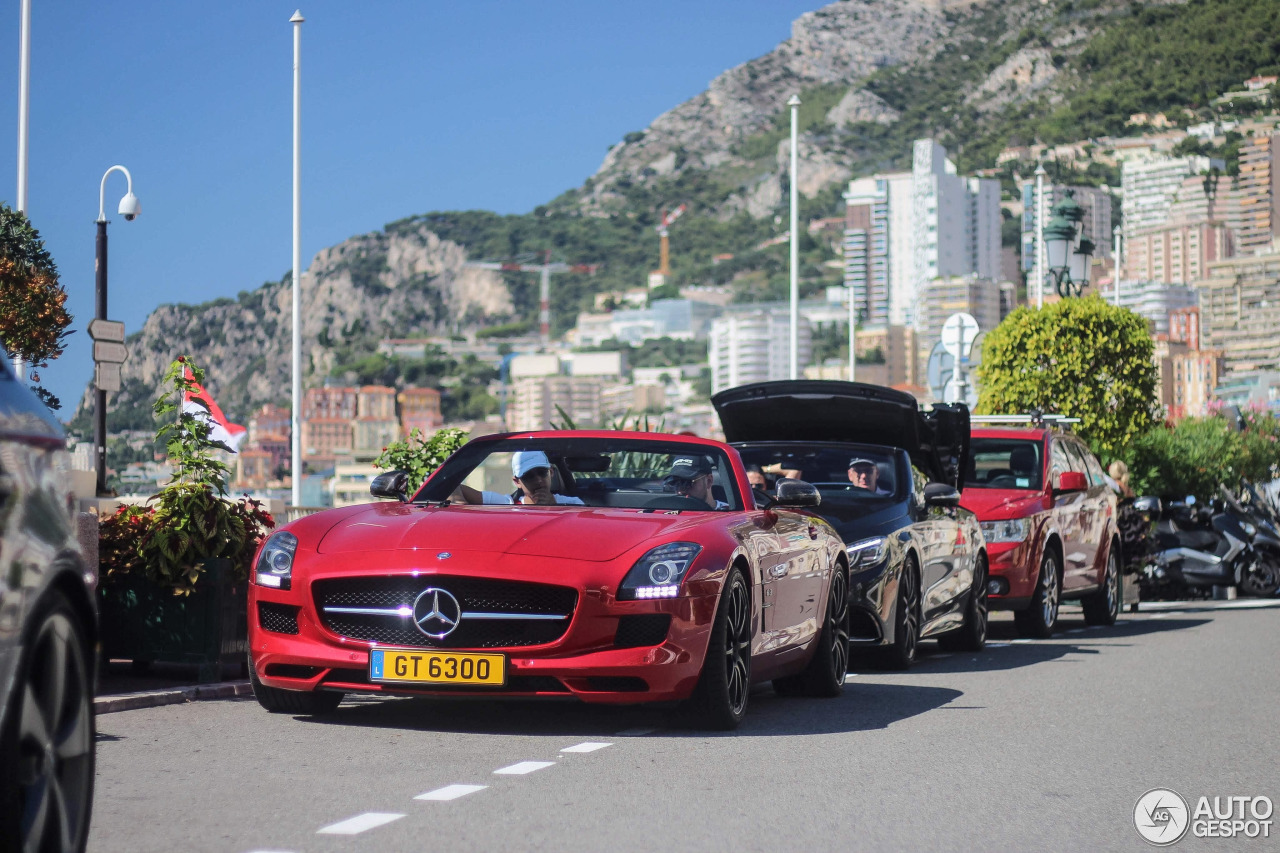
(24, 101)
(1118, 248)
(794, 103)
(1040, 236)
(853, 338)
(296, 477)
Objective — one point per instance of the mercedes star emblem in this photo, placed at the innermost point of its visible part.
(436, 612)
(443, 555)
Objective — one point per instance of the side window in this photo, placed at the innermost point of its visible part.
(918, 481)
(1075, 454)
(1059, 464)
(1095, 468)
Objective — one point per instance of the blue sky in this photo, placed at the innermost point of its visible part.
(407, 107)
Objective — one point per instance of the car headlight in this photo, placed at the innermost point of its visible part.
(1009, 530)
(659, 572)
(867, 553)
(275, 563)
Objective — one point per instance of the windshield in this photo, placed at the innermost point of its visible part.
(1005, 463)
(841, 472)
(634, 473)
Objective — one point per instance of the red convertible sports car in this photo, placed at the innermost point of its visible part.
(625, 568)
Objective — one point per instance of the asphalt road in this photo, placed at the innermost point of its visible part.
(1043, 745)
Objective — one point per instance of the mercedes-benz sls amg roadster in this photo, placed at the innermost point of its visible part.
(653, 576)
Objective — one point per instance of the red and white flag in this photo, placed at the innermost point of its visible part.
(222, 429)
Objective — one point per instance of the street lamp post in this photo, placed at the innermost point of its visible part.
(129, 209)
(853, 338)
(794, 103)
(296, 432)
(1039, 201)
(1117, 250)
(1067, 260)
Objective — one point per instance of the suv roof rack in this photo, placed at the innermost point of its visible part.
(1032, 419)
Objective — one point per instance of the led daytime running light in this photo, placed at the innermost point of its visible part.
(275, 562)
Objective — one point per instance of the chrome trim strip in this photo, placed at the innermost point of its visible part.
(381, 611)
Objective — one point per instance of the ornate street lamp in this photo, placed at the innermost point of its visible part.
(1067, 260)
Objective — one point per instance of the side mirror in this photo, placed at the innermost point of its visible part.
(1148, 504)
(941, 494)
(392, 484)
(1072, 481)
(796, 493)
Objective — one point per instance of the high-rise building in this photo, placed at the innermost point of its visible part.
(1155, 301)
(540, 401)
(1151, 186)
(1176, 252)
(755, 346)
(1240, 311)
(1259, 193)
(907, 228)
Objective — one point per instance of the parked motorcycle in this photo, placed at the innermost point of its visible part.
(1196, 548)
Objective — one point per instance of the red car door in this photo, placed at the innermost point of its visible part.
(1081, 541)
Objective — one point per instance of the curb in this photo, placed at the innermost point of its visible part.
(174, 696)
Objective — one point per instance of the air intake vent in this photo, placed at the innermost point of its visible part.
(644, 629)
(278, 618)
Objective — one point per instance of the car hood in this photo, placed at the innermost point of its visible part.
(999, 504)
(859, 521)
(594, 535)
(822, 410)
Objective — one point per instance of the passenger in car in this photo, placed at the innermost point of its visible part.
(692, 477)
(865, 474)
(532, 473)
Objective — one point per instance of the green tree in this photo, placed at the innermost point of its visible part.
(1078, 357)
(33, 314)
(419, 456)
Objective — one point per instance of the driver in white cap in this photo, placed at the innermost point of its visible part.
(531, 472)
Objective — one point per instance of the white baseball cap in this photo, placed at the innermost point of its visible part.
(524, 461)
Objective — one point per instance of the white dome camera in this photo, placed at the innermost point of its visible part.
(129, 207)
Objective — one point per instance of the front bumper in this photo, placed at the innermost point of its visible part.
(1012, 565)
(868, 610)
(583, 663)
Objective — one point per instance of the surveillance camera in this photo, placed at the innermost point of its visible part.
(129, 207)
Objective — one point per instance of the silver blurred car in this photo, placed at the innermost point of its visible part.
(48, 632)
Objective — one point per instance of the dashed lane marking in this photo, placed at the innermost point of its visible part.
(359, 823)
(589, 746)
(522, 768)
(450, 792)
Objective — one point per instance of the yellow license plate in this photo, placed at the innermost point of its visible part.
(424, 666)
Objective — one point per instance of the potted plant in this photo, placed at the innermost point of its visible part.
(174, 572)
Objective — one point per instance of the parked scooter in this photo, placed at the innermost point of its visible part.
(1262, 523)
(1197, 548)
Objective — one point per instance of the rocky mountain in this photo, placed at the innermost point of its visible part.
(872, 75)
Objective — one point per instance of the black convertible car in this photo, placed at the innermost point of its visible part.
(890, 479)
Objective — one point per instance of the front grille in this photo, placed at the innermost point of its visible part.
(476, 595)
(280, 618)
(515, 683)
(643, 629)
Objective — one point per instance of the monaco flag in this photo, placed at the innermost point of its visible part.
(222, 429)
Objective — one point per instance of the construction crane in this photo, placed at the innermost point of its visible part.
(545, 270)
(664, 256)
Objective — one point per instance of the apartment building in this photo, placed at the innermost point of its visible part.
(1259, 189)
(1240, 311)
(420, 410)
(755, 346)
(1176, 252)
(538, 402)
(1151, 186)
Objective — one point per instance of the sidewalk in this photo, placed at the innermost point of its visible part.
(120, 688)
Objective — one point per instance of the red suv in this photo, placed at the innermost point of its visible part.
(1049, 518)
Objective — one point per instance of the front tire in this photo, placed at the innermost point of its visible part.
(315, 703)
(1262, 579)
(901, 653)
(825, 674)
(47, 746)
(972, 635)
(1102, 607)
(719, 701)
(1038, 619)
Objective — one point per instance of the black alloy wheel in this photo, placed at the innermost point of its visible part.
(1039, 618)
(719, 700)
(47, 750)
(315, 703)
(972, 635)
(1262, 579)
(1103, 607)
(825, 673)
(901, 653)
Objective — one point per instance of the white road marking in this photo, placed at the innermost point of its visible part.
(1161, 615)
(1074, 631)
(359, 823)
(589, 746)
(997, 645)
(636, 732)
(522, 768)
(1021, 642)
(450, 792)
(1238, 604)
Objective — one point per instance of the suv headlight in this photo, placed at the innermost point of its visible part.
(275, 563)
(867, 553)
(659, 572)
(1009, 530)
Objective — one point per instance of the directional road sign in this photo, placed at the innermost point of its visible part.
(110, 352)
(106, 330)
(958, 334)
(106, 376)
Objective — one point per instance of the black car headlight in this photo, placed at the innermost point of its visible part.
(867, 553)
(275, 563)
(659, 572)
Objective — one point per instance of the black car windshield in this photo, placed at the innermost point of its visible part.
(841, 472)
(1004, 463)
(635, 473)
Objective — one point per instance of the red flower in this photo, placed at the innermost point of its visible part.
(182, 358)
